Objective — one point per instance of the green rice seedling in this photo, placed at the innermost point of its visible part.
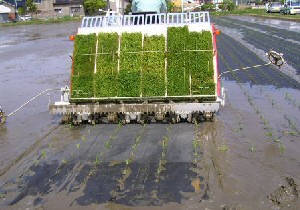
(177, 73)
(277, 140)
(97, 161)
(292, 124)
(106, 77)
(83, 138)
(281, 148)
(253, 148)
(64, 161)
(195, 144)
(292, 133)
(84, 59)
(107, 144)
(43, 154)
(92, 172)
(128, 161)
(224, 148)
(36, 162)
(153, 66)
(57, 171)
(129, 78)
(134, 146)
(120, 124)
(269, 134)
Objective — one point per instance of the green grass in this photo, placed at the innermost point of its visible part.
(41, 21)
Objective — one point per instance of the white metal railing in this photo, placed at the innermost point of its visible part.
(133, 20)
(148, 19)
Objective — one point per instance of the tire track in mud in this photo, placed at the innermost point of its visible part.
(209, 166)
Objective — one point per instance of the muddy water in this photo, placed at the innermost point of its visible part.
(33, 58)
(247, 158)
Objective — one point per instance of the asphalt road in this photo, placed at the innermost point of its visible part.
(247, 158)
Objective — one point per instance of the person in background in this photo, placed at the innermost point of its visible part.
(144, 7)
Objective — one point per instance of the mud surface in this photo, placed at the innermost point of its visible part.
(247, 158)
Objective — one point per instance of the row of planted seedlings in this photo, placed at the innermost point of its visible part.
(282, 77)
(271, 100)
(100, 156)
(45, 157)
(291, 51)
(265, 122)
(136, 64)
(249, 75)
(196, 182)
(126, 171)
(99, 159)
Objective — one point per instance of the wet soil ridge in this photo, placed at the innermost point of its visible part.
(199, 183)
(285, 194)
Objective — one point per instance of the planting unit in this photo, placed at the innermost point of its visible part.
(163, 71)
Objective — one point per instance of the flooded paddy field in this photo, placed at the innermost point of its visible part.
(247, 158)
